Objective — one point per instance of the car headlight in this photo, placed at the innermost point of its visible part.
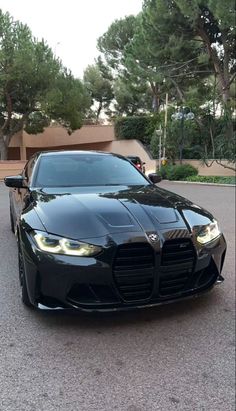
(208, 233)
(58, 245)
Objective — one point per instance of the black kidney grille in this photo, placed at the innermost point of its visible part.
(177, 262)
(177, 251)
(134, 271)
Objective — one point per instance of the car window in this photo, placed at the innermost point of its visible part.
(86, 170)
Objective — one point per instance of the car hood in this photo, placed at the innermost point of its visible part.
(82, 213)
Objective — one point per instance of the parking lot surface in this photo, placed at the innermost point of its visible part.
(174, 357)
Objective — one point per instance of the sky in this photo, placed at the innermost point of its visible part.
(71, 27)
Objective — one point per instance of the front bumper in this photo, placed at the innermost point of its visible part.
(92, 284)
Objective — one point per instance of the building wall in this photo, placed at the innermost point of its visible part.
(92, 146)
(14, 153)
(133, 148)
(10, 168)
(16, 140)
(96, 137)
(214, 170)
(57, 136)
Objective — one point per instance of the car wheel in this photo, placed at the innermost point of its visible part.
(24, 292)
(12, 222)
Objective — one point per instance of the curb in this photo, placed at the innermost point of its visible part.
(200, 183)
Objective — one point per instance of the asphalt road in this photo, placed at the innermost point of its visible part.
(175, 357)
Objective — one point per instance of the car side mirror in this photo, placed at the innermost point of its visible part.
(154, 178)
(15, 181)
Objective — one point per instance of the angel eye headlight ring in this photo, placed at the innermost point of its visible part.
(53, 244)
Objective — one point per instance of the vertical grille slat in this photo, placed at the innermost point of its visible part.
(177, 263)
(133, 271)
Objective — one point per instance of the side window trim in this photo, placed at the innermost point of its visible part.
(25, 173)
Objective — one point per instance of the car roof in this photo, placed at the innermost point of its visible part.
(71, 152)
(133, 157)
(49, 153)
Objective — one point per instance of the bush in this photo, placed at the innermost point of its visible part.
(138, 127)
(164, 171)
(212, 179)
(177, 172)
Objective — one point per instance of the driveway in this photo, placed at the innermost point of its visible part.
(175, 357)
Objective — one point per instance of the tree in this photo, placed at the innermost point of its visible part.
(214, 22)
(97, 80)
(185, 48)
(113, 43)
(208, 23)
(131, 98)
(144, 50)
(34, 86)
(68, 102)
(189, 43)
(132, 93)
(163, 51)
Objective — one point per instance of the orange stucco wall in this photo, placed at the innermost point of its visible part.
(95, 137)
(23, 145)
(133, 148)
(10, 168)
(58, 137)
(214, 170)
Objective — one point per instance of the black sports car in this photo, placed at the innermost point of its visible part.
(95, 234)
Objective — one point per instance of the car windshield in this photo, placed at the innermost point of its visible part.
(86, 170)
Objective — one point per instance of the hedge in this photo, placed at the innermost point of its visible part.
(177, 172)
(137, 127)
(212, 179)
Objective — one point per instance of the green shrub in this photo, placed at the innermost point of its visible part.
(138, 127)
(212, 179)
(164, 171)
(177, 172)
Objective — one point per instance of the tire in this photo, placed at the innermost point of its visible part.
(24, 292)
(12, 222)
